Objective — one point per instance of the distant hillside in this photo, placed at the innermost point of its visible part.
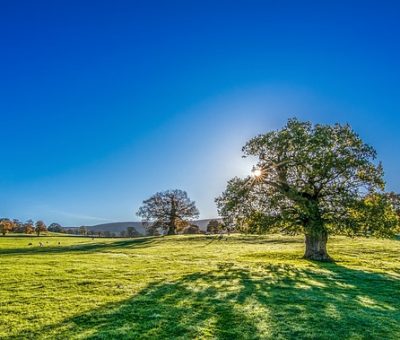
(117, 227)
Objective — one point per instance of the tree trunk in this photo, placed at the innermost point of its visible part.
(171, 230)
(172, 227)
(316, 246)
(172, 221)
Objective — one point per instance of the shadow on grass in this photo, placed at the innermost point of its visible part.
(276, 301)
(240, 239)
(79, 247)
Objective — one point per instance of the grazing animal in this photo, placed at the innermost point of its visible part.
(29, 244)
(40, 244)
(59, 243)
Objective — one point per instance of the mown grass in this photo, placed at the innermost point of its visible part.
(245, 287)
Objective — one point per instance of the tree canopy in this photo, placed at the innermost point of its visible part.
(167, 210)
(6, 225)
(40, 226)
(55, 227)
(213, 226)
(310, 179)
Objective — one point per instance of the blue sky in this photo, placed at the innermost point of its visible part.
(103, 103)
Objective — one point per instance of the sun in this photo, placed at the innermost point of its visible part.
(257, 173)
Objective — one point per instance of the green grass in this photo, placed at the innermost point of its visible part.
(197, 287)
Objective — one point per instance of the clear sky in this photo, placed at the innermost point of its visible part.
(103, 103)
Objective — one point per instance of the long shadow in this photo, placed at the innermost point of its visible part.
(80, 247)
(326, 301)
(241, 239)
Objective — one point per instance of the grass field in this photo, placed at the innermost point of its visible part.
(197, 287)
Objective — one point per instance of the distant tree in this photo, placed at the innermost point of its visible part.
(191, 229)
(55, 228)
(394, 200)
(29, 227)
(152, 230)
(40, 227)
(107, 233)
(6, 225)
(18, 226)
(309, 179)
(375, 215)
(123, 233)
(131, 232)
(82, 230)
(167, 210)
(213, 227)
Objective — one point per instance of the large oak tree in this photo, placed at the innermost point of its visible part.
(308, 178)
(168, 210)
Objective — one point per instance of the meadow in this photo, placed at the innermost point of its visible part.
(183, 287)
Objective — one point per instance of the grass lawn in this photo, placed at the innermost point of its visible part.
(246, 287)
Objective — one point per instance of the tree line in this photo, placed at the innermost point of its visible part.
(29, 227)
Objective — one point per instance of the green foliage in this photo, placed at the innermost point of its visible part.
(394, 200)
(257, 223)
(197, 287)
(55, 228)
(214, 227)
(308, 179)
(375, 216)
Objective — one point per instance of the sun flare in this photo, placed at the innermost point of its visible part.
(257, 173)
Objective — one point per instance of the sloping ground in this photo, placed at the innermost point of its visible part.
(185, 287)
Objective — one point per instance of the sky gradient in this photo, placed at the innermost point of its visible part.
(104, 103)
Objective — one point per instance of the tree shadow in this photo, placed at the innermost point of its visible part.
(214, 238)
(79, 247)
(321, 301)
(260, 240)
